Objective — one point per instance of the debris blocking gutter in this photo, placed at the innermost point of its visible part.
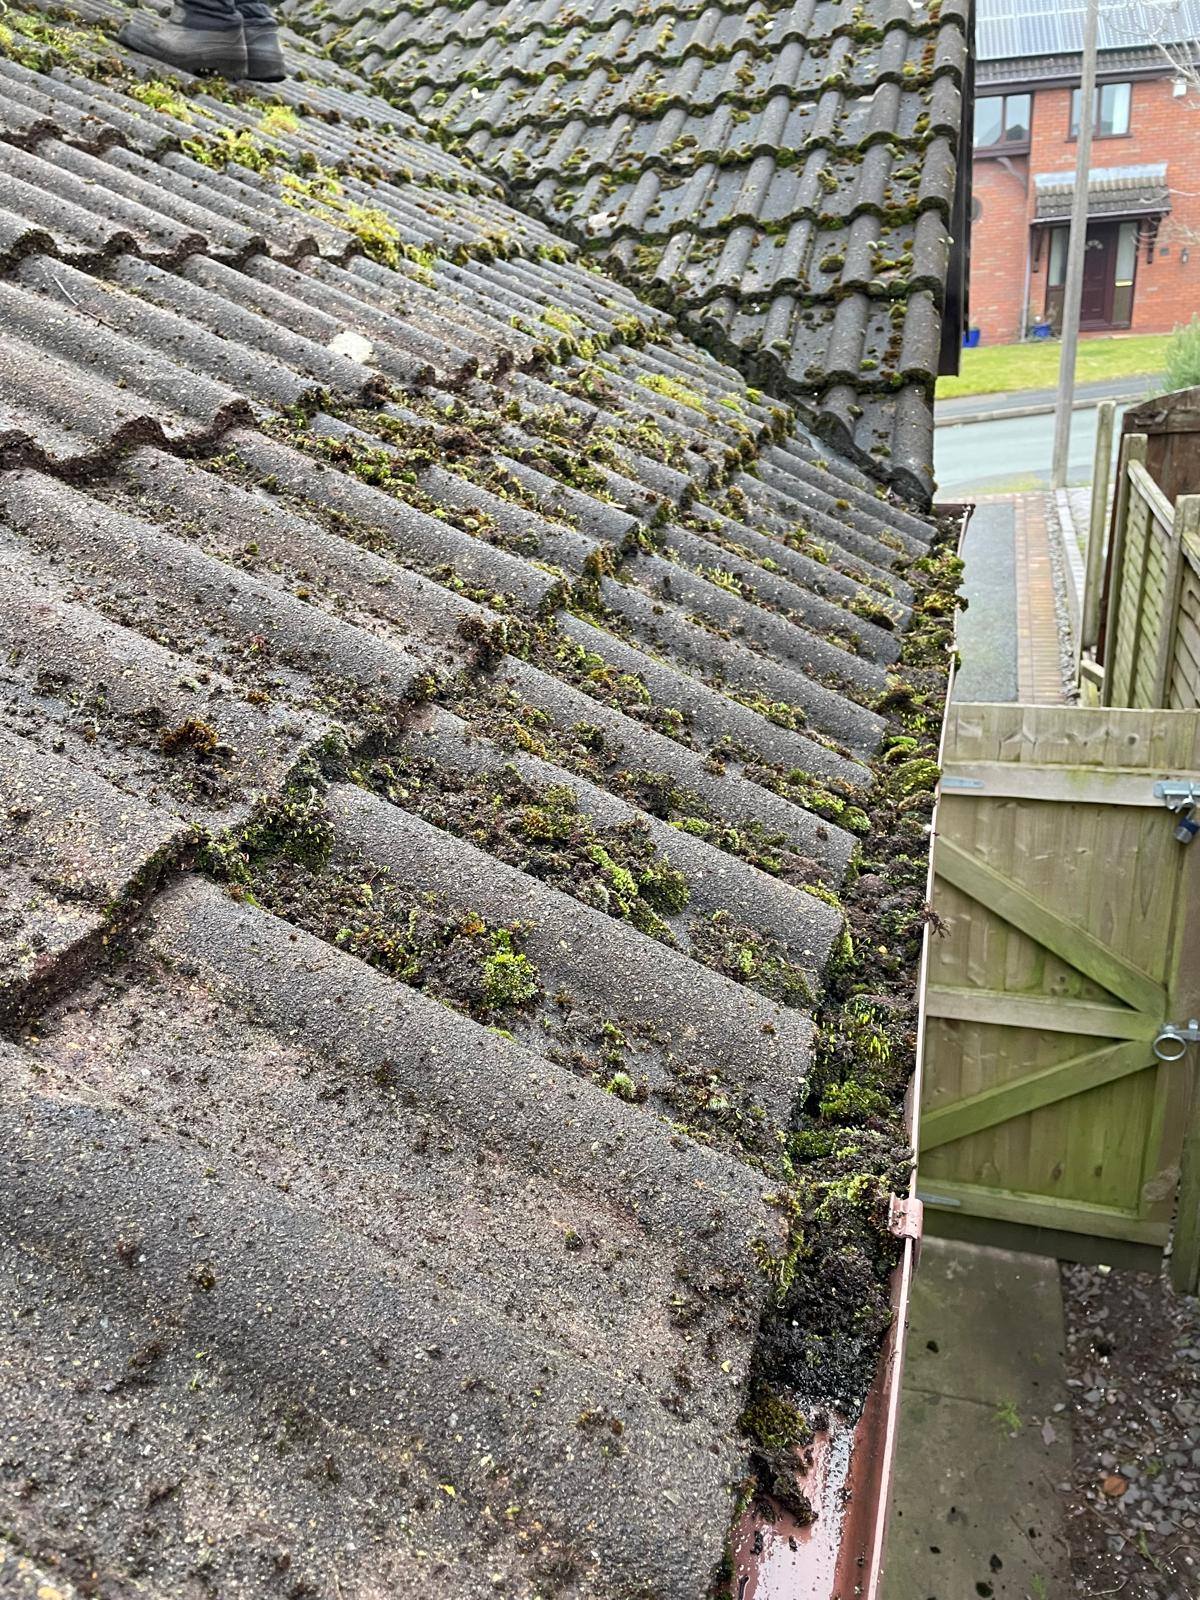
(850, 1466)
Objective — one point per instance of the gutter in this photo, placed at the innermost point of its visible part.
(840, 1554)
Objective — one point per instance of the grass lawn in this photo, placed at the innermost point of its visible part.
(993, 369)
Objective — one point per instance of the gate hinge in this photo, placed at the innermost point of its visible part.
(906, 1220)
(1181, 796)
(1171, 1041)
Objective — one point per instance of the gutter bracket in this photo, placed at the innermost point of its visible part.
(906, 1220)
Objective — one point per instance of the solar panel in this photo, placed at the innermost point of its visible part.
(1005, 29)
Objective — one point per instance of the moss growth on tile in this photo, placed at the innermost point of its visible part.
(544, 832)
(749, 956)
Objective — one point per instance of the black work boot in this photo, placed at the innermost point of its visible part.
(264, 57)
(183, 40)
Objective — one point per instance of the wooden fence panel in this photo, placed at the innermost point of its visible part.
(1184, 687)
(1183, 668)
(1152, 646)
(1064, 897)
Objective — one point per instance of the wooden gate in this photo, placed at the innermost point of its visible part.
(1065, 898)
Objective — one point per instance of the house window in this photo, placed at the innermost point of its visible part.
(1112, 111)
(1056, 272)
(1059, 238)
(1126, 269)
(1001, 119)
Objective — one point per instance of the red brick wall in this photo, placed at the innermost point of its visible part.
(998, 254)
(1162, 127)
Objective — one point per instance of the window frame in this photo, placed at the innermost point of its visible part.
(1076, 97)
(1002, 145)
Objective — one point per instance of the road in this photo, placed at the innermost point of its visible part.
(1010, 454)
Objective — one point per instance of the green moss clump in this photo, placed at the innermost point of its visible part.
(917, 774)
(164, 97)
(292, 826)
(564, 321)
(624, 1087)
(848, 1151)
(41, 45)
(322, 194)
(279, 120)
(616, 869)
(672, 389)
(229, 148)
(749, 956)
(869, 609)
(853, 1102)
(423, 939)
(509, 977)
(774, 1422)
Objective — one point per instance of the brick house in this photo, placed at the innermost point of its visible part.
(1142, 268)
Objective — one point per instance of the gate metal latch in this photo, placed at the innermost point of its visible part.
(1181, 796)
(1170, 1042)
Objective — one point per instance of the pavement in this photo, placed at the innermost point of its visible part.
(987, 629)
(984, 1431)
(1020, 582)
(1038, 402)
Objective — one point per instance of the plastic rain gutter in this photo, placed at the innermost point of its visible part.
(839, 1555)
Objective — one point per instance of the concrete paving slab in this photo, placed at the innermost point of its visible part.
(976, 1510)
(986, 1325)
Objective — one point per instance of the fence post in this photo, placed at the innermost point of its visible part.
(1185, 1246)
(1089, 615)
(1184, 996)
(1184, 526)
(1133, 448)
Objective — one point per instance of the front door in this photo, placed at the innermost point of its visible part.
(1099, 267)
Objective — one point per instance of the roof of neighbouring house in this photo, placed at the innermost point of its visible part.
(1042, 29)
(781, 176)
(1128, 191)
(439, 704)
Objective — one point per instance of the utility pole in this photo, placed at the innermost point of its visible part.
(1073, 287)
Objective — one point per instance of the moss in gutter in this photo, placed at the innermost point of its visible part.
(848, 1151)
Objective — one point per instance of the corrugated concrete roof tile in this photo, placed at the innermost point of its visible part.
(73, 848)
(438, 703)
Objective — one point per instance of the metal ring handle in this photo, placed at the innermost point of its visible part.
(1171, 1040)
(1169, 1044)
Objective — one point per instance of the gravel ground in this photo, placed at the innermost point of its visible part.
(1133, 1369)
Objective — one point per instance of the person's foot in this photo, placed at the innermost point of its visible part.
(264, 57)
(170, 39)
